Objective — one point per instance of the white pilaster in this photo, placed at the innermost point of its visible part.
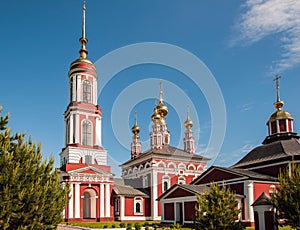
(249, 215)
(77, 123)
(74, 78)
(78, 89)
(98, 130)
(153, 185)
(101, 200)
(77, 200)
(71, 129)
(107, 200)
(94, 91)
(71, 202)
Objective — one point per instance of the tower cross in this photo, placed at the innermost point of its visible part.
(277, 86)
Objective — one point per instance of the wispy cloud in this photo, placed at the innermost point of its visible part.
(262, 18)
(226, 159)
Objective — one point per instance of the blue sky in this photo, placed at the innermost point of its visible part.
(244, 44)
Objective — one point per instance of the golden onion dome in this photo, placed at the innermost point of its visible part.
(156, 118)
(162, 109)
(188, 123)
(280, 115)
(135, 129)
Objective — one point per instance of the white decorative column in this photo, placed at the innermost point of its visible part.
(248, 188)
(98, 131)
(71, 129)
(78, 91)
(107, 200)
(71, 202)
(101, 200)
(77, 128)
(153, 185)
(122, 208)
(74, 79)
(77, 200)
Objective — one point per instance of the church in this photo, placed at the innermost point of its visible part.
(162, 182)
(95, 195)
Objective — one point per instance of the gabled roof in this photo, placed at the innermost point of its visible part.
(217, 173)
(168, 151)
(275, 151)
(86, 169)
(189, 188)
(129, 191)
(263, 199)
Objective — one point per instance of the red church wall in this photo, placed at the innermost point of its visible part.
(259, 188)
(169, 211)
(129, 206)
(189, 210)
(216, 175)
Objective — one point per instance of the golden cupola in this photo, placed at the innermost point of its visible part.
(280, 123)
(188, 124)
(156, 118)
(83, 64)
(135, 128)
(161, 108)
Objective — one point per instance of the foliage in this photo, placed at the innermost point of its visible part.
(286, 199)
(137, 226)
(175, 226)
(217, 209)
(30, 192)
(129, 226)
(122, 225)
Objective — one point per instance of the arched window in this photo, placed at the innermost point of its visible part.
(165, 183)
(86, 92)
(138, 201)
(86, 133)
(137, 207)
(181, 180)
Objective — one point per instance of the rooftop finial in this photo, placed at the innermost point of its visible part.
(278, 104)
(277, 87)
(135, 121)
(83, 40)
(160, 91)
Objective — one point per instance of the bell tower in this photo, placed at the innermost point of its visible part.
(83, 115)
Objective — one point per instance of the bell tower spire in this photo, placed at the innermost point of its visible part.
(188, 141)
(83, 40)
(136, 146)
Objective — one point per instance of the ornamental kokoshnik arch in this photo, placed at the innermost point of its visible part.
(173, 57)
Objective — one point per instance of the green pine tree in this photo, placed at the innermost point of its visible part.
(30, 193)
(286, 198)
(217, 209)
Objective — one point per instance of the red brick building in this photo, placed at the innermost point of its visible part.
(94, 193)
(254, 174)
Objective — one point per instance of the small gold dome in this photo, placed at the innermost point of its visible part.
(135, 129)
(163, 121)
(280, 115)
(162, 109)
(188, 123)
(156, 118)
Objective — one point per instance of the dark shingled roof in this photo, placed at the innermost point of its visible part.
(167, 151)
(272, 151)
(129, 191)
(250, 174)
(263, 199)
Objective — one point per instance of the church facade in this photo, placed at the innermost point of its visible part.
(95, 195)
(161, 183)
(252, 177)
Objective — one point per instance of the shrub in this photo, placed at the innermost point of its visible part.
(129, 226)
(122, 225)
(137, 226)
